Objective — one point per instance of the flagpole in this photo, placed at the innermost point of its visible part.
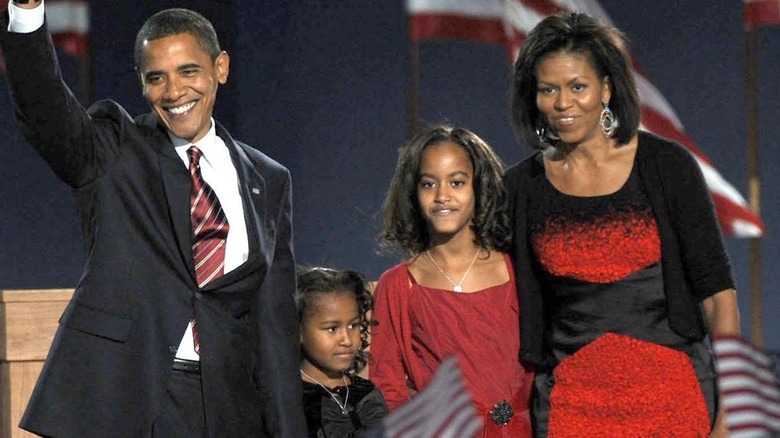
(84, 80)
(414, 87)
(754, 186)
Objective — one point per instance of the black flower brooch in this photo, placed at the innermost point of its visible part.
(501, 413)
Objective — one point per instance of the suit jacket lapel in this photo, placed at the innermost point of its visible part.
(177, 186)
(177, 190)
(253, 193)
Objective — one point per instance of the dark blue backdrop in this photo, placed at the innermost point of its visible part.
(322, 86)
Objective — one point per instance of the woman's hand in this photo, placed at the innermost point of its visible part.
(720, 429)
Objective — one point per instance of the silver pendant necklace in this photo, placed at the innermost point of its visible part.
(335, 398)
(457, 287)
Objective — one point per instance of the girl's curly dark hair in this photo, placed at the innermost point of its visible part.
(404, 227)
(318, 281)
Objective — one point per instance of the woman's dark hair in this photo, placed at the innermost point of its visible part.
(313, 283)
(606, 49)
(176, 21)
(404, 226)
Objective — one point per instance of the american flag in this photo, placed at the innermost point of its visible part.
(749, 388)
(68, 22)
(508, 21)
(762, 13)
(444, 409)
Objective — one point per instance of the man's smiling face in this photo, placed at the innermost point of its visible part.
(180, 82)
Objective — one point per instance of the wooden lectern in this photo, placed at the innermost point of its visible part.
(28, 320)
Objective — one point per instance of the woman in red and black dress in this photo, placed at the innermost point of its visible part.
(616, 248)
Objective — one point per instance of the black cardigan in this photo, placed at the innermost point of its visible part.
(694, 260)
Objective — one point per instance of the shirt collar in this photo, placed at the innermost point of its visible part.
(205, 144)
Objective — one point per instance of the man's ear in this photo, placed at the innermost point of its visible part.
(222, 64)
(139, 76)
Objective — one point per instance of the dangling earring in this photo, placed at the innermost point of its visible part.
(546, 136)
(609, 123)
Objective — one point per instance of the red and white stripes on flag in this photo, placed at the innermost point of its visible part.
(68, 22)
(443, 409)
(749, 388)
(761, 13)
(509, 21)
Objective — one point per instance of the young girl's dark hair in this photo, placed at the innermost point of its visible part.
(314, 283)
(404, 226)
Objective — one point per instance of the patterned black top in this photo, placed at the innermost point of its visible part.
(599, 239)
(600, 257)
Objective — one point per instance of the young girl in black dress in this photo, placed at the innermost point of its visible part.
(333, 318)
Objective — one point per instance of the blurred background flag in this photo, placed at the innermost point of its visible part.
(443, 409)
(749, 388)
(507, 22)
(68, 21)
(762, 13)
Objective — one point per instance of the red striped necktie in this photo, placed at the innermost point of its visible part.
(210, 229)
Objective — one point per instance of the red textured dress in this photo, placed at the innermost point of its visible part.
(620, 370)
(419, 327)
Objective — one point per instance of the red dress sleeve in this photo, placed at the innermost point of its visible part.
(387, 368)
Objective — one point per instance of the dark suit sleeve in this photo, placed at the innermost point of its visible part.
(278, 291)
(53, 120)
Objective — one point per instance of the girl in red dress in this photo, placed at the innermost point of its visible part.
(455, 293)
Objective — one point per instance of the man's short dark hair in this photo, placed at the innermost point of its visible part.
(170, 22)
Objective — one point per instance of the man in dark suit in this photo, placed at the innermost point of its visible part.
(162, 338)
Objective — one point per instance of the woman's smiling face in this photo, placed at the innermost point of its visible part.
(570, 95)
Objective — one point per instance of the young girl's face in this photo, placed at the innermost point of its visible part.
(330, 337)
(445, 189)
